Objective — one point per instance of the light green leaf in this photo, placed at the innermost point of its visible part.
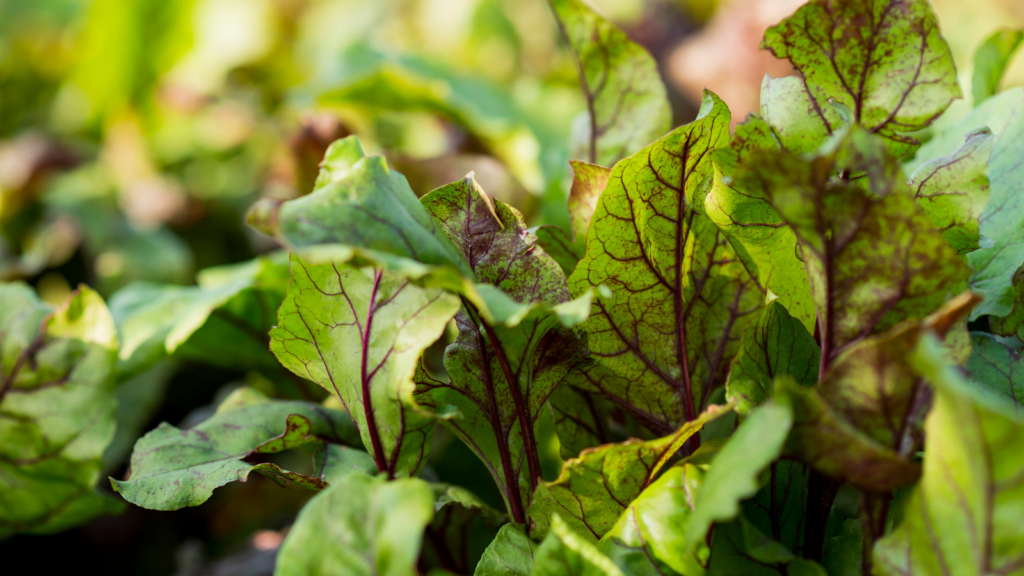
(745, 214)
(997, 370)
(173, 468)
(594, 489)
(680, 299)
(501, 374)
(56, 409)
(509, 554)
(740, 549)
(796, 119)
(361, 526)
(777, 344)
(964, 515)
(335, 461)
(954, 190)
(359, 333)
(884, 60)
(991, 61)
(627, 106)
(565, 553)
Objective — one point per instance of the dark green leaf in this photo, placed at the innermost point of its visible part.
(998, 370)
(510, 554)
(584, 419)
(990, 62)
(779, 508)
(740, 549)
(843, 552)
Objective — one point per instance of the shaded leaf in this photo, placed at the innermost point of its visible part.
(509, 554)
(173, 468)
(884, 60)
(1011, 324)
(844, 552)
(779, 507)
(679, 299)
(740, 549)
(359, 333)
(777, 344)
(594, 489)
(336, 460)
(359, 526)
(462, 527)
(998, 370)
(565, 553)
(991, 61)
(627, 106)
(584, 419)
(57, 408)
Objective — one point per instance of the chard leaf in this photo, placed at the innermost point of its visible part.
(991, 61)
(565, 553)
(680, 298)
(796, 119)
(734, 471)
(595, 488)
(745, 214)
(627, 106)
(223, 321)
(509, 554)
(57, 409)
(884, 60)
(740, 549)
(173, 468)
(954, 190)
(358, 201)
(360, 526)
(779, 508)
(359, 333)
(460, 521)
(584, 419)
(336, 460)
(777, 344)
(998, 370)
(963, 517)
(568, 249)
(648, 538)
(871, 254)
(501, 374)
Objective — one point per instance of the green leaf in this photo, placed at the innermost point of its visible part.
(796, 119)
(740, 549)
(173, 468)
(680, 299)
(509, 554)
(568, 249)
(779, 507)
(138, 400)
(1012, 324)
(56, 409)
(991, 61)
(359, 333)
(954, 190)
(565, 553)
(884, 60)
(963, 517)
(648, 538)
(594, 489)
(744, 213)
(584, 419)
(463, 526)
(627, 106)
(871, 254)
(223, 321)
(843, 552)
(777, 344)
(501, 374)
(335, 461)
(357, 201)
(359, 526)
(734, 472)
(998, 370)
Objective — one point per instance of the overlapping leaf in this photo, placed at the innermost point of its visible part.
(991, 61)
(462, 527)
(359, 333)
(740, 549)
(509, 554)
(998, 370)
(595, 488)
(361, 526)
(884, 60)
(680, 297)
(56, 409)
(568, 249)
(565, 553)
(627, 107)
(173, 468)
(584, 419)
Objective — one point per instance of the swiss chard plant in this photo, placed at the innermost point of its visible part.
(787, 345)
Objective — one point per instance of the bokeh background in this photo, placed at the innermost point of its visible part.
(134, 134)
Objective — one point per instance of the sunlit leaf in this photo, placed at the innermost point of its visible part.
(565, 552)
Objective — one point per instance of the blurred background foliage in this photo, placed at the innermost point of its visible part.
(134, 134)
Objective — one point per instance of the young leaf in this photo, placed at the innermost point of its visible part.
(173, 468)
(501, 374)
(509, 554)
(595, 488)
(359, 526)
(964, 516)
(359, 333)
(740, 549)
(779, 508)
(680, 299)
(991, 61)
(746, 215)
(796, 119)
(998, 370)
(954, 190)
(884, 60)
(358, 202)
(626, 102)
(648, 538)
(223, 321)
(777, 344)
(56, 409)
(565, 553)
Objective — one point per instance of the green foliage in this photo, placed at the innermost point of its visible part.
(990, 62)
